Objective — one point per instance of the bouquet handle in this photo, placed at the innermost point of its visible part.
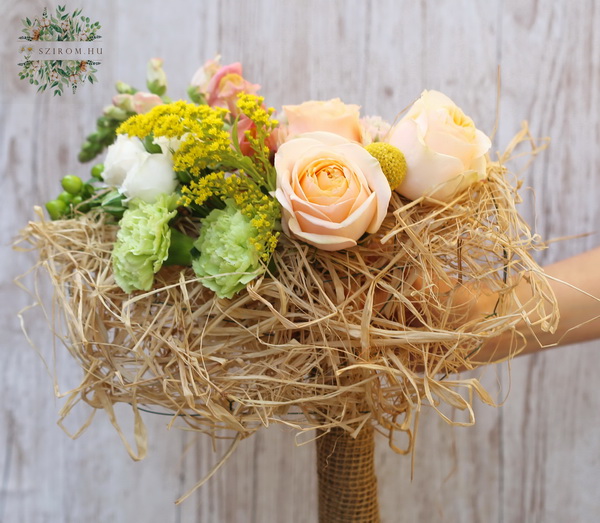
(347, 480)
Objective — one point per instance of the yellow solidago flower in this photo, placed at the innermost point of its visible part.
(251, 106)
(262, 210)
(205, 141)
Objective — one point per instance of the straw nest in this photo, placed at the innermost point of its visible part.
(323, 340)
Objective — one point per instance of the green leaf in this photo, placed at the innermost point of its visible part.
(183, 177)
(112, 203)
(180, 249)
(149, 144)
(28, 21)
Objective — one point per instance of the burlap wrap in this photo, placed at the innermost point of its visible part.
(347, 480)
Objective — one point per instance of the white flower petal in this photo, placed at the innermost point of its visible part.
(150, 178)
(121, 158)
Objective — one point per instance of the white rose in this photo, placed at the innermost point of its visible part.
(121, 157)
(149, 178)
(444, 151)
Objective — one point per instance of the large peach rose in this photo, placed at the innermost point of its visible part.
(444, 151)
(333, 116)
(331, 190)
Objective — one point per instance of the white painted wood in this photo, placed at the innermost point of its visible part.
(534, 459)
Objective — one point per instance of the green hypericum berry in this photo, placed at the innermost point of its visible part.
(97, 170)
(56, 209)
(76, 200)
(392, 161)
(66, 197)
(72, 184)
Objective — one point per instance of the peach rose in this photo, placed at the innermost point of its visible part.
(333, 116)
(331, 190)
(444, 151)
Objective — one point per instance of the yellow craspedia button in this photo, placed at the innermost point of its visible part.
(392, 161)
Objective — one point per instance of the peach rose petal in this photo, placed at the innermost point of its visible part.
(333, 213)
(326, 242)
(353, 227)
(483, 143)
(451, 146)
(332, 116)
(376, 180)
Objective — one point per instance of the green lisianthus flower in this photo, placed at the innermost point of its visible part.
(143, 242)
(228, 260)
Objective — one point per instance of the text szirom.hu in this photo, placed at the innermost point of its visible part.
(63, 50)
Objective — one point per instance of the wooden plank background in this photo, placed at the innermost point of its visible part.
(535, 459)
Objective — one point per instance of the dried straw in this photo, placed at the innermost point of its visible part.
(324, 340)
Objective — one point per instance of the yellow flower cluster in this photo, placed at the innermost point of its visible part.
(262, 210)
(206, 145)
(392, 161)
(205, 141)
(251, 106)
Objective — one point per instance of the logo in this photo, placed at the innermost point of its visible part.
(61, 51)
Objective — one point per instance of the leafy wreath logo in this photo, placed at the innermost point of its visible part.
(60, 27)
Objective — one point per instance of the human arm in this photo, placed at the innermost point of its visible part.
(576, 285)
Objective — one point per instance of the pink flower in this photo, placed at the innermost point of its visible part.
(331, 190)
(204, 74)
(245, 126)
(143, 102)
(139, 102)
(226, 84)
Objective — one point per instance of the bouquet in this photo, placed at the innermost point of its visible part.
(237, 267)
